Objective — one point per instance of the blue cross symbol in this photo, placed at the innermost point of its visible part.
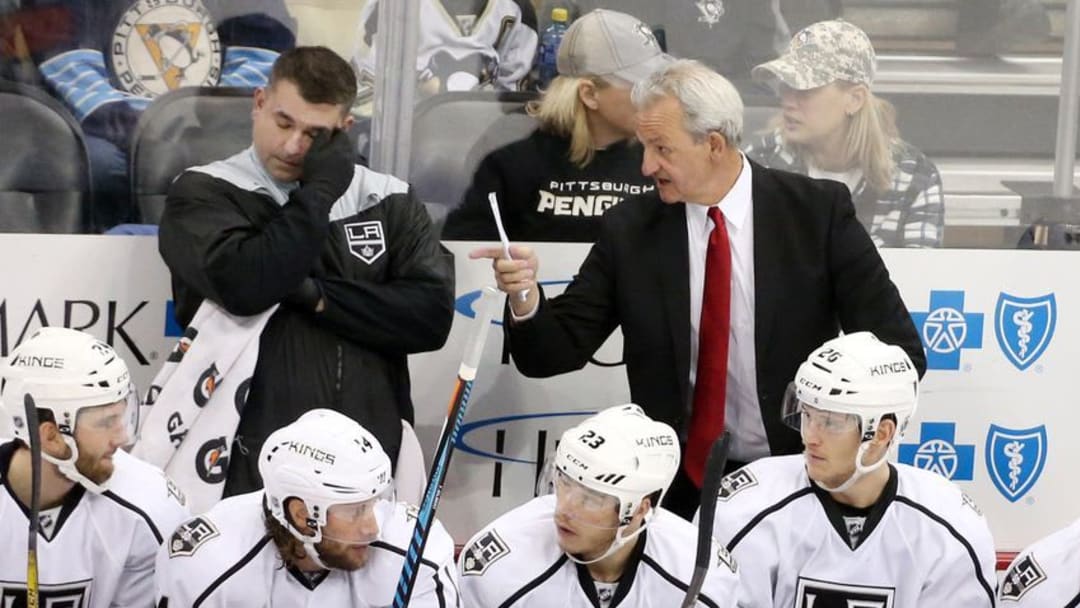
(938, 452)
(946, 329)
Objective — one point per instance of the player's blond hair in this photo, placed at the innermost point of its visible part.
(561, 112)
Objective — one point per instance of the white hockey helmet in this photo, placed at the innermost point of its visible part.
(861, 377)
(65, 371)
(623, 453)
(323, 459)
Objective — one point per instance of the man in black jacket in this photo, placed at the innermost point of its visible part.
(801, 269)
(349, 254)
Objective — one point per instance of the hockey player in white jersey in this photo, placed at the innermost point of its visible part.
(1045, 574)
(323, 532)
(839, 526)
(103, 513)
(599, 540)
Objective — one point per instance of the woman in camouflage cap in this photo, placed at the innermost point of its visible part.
(832, 126)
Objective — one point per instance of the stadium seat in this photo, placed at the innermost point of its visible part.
(44, 168)
(184, 128)
(452, 132)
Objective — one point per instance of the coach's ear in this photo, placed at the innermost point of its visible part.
(297, 512)
(52, 441)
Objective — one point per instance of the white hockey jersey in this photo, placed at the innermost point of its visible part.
(101, 549)
(225, 559)
(1045, 574)
(923, 544)
(493, 44)
(516, 561)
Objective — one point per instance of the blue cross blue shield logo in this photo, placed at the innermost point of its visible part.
(938, 452)
(946, 329)
(1024, 327)
(1015, 458)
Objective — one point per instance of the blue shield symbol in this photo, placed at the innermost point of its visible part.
(1015, 458)
(1024, 327)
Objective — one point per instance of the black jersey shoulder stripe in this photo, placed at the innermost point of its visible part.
(536, 582)
(250, 555)
(381, 544)
(426, 562)
(439, 591)
(704, 599)
(767, 511)
(1074, 603)
(453, 585)
(959, 537)
(127, 505)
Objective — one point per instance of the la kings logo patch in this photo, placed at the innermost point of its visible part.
(366, 240)
(811, 593)
(1023, 575)
(162, 45)
(75, 594)
(485, 551)
(191, 535)
(735, 483)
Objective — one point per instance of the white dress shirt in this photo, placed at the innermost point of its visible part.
(742, 414)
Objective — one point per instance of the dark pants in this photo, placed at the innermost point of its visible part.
(683, 497)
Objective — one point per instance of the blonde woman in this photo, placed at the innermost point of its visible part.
(832, 126)
(555, 184)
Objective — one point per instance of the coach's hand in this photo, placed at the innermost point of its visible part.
(328, 167)
(514, 276)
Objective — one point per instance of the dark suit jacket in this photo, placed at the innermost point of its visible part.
(815, 272)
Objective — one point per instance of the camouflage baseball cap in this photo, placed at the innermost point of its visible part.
(821, 53)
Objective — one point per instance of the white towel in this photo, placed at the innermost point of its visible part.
(193, 406)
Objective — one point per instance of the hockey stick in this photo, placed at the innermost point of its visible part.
(474, 348)
(710, 487)
(33, 432)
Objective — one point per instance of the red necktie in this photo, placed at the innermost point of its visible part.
(710, 387)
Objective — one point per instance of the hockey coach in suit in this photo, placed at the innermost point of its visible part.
(788, 267)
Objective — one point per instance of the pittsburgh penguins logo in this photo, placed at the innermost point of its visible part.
(212, 460)
(204, 388)
(162, 45)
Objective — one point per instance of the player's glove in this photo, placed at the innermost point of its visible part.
(328, 168)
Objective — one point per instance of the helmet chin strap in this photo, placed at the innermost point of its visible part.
(616, 543)
(68, 469)
(313, 555)
(860, 470)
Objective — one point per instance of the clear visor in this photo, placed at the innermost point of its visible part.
(804, 418)
(120, 419)
(358, 523)
(585, 505)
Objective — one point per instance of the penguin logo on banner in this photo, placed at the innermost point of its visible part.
(160, 46)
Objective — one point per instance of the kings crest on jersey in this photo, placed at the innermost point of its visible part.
(162, 45)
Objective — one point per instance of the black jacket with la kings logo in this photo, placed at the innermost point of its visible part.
(231, 234)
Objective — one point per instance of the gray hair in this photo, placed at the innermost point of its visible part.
(709, 101)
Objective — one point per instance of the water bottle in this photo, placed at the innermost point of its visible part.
(549, 45)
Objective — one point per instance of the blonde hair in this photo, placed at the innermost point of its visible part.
(871, 136)
(561, 112)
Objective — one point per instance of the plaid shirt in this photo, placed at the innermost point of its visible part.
(909, 214)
